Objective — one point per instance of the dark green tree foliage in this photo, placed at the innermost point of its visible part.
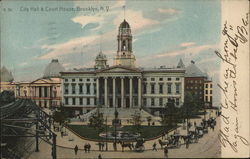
(192, 105)
(172, 114)
(97, 121)
(61, 115)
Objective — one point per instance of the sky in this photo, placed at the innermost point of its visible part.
(163, 33)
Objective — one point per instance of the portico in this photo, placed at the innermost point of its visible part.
(119, 87)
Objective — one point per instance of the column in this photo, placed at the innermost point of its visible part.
(139, 91)
(122, 92)
(114, 104)
(182, 90)
(97, 92)
(130, 91)
(106, 91)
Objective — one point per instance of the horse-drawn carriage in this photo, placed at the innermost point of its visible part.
(139, 146)
(173, 141)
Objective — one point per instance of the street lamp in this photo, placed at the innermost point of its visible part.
(106, 133)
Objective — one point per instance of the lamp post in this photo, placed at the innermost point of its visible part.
(106, 133)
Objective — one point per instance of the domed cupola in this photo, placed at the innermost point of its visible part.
(101, 61)
(6, 75)
(124, 55)
(124, 24)
(53, 69)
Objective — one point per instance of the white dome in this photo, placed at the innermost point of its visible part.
(101, 56)
(53, 69)
(6, 76)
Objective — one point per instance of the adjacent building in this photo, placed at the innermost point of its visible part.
(123, 85)
(45, 91)
(6, 80)
(197, 83)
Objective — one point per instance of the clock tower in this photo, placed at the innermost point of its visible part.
(124, 56)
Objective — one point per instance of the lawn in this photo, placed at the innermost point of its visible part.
(91, 133)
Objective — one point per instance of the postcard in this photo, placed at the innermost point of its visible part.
(133, 79)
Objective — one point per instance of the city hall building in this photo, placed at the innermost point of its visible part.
(123, 85)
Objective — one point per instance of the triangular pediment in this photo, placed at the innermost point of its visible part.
(119, 69)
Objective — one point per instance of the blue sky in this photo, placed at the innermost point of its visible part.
(163, 32)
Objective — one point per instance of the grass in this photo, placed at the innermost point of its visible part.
(91, 133)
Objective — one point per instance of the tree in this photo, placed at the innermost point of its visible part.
(61, 115)
(136, 121)
(171, 114)
(97, 121)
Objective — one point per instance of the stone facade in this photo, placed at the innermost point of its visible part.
(122, 85)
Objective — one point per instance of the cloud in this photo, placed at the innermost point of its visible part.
(68, 47)
(84, 20)
(136, 20)
(170, 11)
(187, 44)
(23, 64)
(192, 50)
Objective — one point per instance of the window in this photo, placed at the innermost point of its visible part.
(206, 91)
(191, 81)
(160, 101)
(177, 79)
(169, 79)
(66, 101)
(211, 91)
(144, 79)
(152, 79)
(210, 98)
(152, 101)
(211, 85)
(152, 88)
(88, 79)
(80, 89)
(66, 80)
(160, 79)
(80, 79)
(66, 89)
(169, 89)
(177, 101)
(73, 101)
(80, 101)
(160, 88)
(88, 101)
(88, 88)
(73, 80)
(94, 88)
(144, 101)
(145, 88)
(73, 89)
(206, 98)
(177, 86)
(206, 85)
(95, 101)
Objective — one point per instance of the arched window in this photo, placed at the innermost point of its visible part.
(123, 45)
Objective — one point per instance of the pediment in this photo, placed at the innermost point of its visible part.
(119, 69)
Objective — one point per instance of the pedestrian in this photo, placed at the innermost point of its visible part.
(76, 149)
(100, 146)
(194, 124)
(154, 147)
(163, 134)
(103, 146)
(89, 147)
(99, 156)
(85, 148)
(61, 133)
(166, 152)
